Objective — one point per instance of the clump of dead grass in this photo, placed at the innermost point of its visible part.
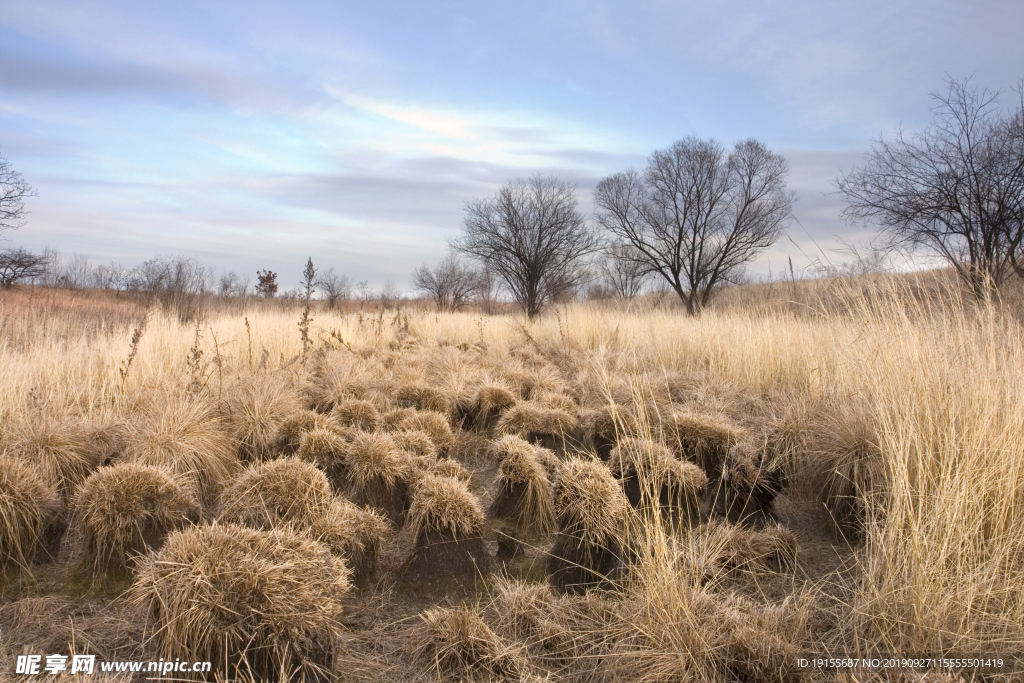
(747, 490)
(125, 510)
(327, 449)
(704, 439)
(190, 440)
(28, 504)
(447, 522)
(255, 410)
(416, 443)
(455, 643)
(351, 532)
(433, 423)
(356, 414)
(489, 402)
(590, 508)
(294, 427)
(260, 605)
(282, 490)
(58, 448)
(380, 474)
(523, 495)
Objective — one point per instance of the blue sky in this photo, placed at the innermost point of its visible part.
(256, 134)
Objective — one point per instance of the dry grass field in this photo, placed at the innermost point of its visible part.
(610, 493)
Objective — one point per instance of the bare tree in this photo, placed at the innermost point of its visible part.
(16, 264)
(450, 284)
(77, 273)
(697, 214)
(390, 295)
(365, 292)
(533, 238)
(335, 287)
(623, 272)
(955, 190)
(13, 193)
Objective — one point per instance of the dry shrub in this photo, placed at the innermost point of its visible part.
(416, 443)
(380, 473)
(353, 533)
(125, 510)
(590, 508)
(255, 409)
(283, 490)
(434, 423)
(523, 494)
(356, 414)
(28, 504)
(704, 439)
(327, 449)
(456, 643)
(58, 448)
(292, 428)
(447, 523)
(190, 440)
(747, 490)
(489, 402)
(260, 605)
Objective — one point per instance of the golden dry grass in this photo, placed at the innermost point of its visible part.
(260, 605)
(445, 505)
(27, 504)
(128, 509)
(893, 406)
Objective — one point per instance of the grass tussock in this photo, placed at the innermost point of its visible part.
(353, 533)
(328, 450)
(293, 427)
(416, 443)
(447, 522)
(447, 506)
(255, 411)
(434, 424)
(126, 510)
(590, 508)
(59, 448)
(455, 643)
(260, 605)
(600, 428)
(523, 494)
(269, 493)
(380, 474)
(28, 503)
(489, 402)
(356, 414)
(704, 439)
(190, 440)
(536, 420)
(747, 489)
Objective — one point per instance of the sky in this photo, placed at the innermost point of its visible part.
(254, 135)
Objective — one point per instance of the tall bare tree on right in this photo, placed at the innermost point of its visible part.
(955, 190)
(698, 214)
